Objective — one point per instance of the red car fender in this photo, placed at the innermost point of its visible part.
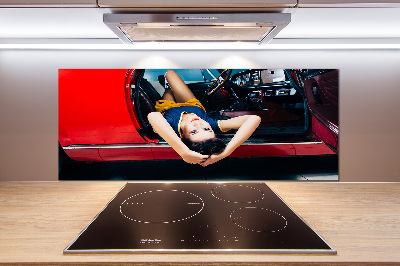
(93, 108)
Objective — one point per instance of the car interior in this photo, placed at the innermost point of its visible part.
(273, 94)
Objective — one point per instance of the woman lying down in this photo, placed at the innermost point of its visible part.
(182, 122)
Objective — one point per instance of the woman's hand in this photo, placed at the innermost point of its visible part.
(193, 157)
(245, 124)
(213, 159)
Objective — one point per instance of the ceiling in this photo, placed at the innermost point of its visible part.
(83, 24)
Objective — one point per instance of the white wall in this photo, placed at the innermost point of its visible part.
(369, 101)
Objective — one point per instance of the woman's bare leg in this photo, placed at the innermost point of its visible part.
(180, 90)
(168, 95)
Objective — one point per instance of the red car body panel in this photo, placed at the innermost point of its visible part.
(165, 153)
(93, 108)
(84, 154)
(126, 154)
(97, 122)
(316, 148)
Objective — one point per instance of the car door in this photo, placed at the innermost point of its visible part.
(321, 90)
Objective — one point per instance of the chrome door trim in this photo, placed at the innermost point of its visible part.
(166, 145)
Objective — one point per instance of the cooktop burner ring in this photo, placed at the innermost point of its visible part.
(265, 227)
(258, 196)
(139, 200)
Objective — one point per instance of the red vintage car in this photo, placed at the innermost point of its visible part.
(103, 112)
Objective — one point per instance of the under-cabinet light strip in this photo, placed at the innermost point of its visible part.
(196, 46)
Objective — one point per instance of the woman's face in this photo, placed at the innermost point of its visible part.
(196, 129)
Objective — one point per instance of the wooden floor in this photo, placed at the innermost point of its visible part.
(360, 220)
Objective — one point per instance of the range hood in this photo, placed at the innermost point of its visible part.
(223, 27)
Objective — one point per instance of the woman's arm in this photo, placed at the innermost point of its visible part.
(164, 129)
(246, 125)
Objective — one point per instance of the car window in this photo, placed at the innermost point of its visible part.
(188, 75)
(216, 72)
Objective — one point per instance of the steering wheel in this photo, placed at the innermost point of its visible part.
(219, 81)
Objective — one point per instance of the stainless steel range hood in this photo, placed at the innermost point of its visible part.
(244, 27)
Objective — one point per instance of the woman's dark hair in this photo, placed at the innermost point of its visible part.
(206, 147)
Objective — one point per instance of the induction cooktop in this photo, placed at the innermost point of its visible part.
(198, 217)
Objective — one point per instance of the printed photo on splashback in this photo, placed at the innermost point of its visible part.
(198, 124)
